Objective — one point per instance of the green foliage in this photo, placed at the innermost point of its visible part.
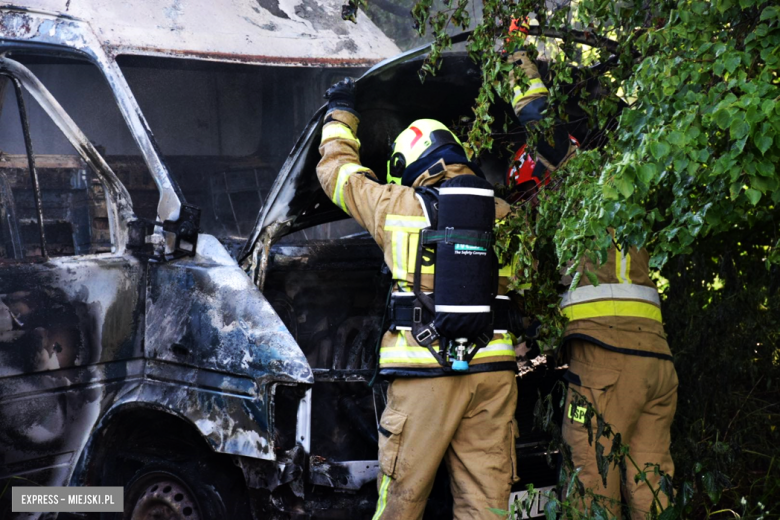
(690, 172)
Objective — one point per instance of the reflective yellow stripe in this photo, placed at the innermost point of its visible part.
(578, 415)
(611, 291)
(536, 86)
(414, 239)
(338, 131)
(409, 361)
(622, 266)
(398, 244)
(345, 172)
(404, 223)
(403, 352)
(403, 229)
(382, 502)
(609, 308)
(498, 347)
(625, 268)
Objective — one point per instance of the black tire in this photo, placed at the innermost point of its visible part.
(169, 491)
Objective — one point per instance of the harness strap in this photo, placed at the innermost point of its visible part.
(426, 334)
(484, 239)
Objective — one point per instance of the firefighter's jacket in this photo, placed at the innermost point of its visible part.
(623, 312)
(394, 216)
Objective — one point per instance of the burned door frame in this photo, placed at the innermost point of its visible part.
(72, 318)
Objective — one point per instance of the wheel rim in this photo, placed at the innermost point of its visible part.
(165, 499)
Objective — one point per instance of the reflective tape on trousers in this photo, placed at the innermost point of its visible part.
(611, 291)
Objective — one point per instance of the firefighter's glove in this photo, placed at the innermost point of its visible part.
(519, 29)
(341, 96)
(518, 32)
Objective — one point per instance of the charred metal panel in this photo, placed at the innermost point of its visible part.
(76, 326)
(260, 31)
(204, 313)
(352, 474)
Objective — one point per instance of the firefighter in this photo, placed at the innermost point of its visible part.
(615, 343)
(433, 412)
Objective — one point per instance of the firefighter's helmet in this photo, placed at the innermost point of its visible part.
(420, 139)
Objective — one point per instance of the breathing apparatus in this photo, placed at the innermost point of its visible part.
(460, 314)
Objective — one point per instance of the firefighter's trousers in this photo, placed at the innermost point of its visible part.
(636, 395)
(468, 421)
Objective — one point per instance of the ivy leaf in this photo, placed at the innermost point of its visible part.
(753, 195)
(722, 118)
(610, 193)
(770, 12)
(659, 149)
(647, 172)
(766, 168)
(625, 186)
(763, 142)
(739, 129)
(711, 487)
(732, 62)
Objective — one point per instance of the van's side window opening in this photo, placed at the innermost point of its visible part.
(72, 200)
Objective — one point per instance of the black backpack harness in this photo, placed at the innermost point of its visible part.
(464, 313)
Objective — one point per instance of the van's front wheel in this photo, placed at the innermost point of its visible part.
(160, 495)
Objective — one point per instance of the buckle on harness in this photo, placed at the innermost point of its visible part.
(448, 235)
(417, 314)
(423, 336)
(427, 335)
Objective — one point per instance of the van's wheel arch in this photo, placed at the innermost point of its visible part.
(144, 449)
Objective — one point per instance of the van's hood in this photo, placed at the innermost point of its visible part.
(389, 97)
